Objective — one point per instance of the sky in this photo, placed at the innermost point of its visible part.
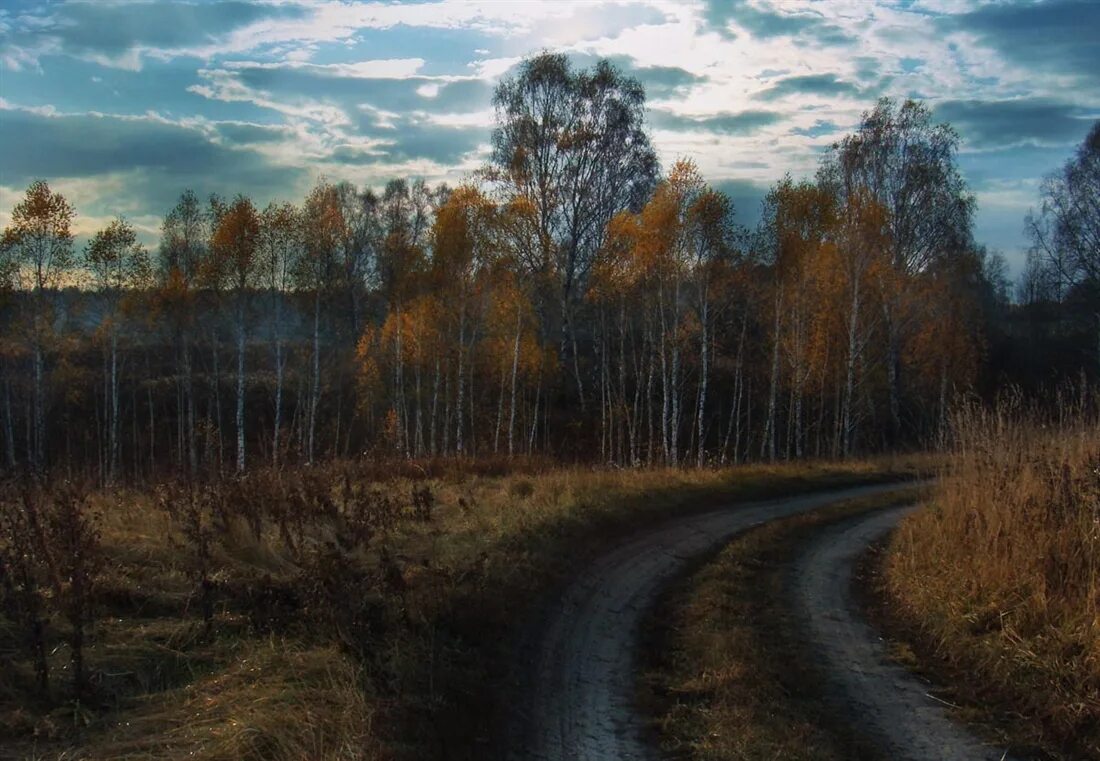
(123, 105)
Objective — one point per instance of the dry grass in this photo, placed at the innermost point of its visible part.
(728, 678)
(999, 579)
(322, 647)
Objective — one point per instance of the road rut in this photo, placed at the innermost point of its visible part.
(580, 686)
(883, 700)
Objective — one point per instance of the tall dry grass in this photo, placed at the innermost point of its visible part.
(1001, 573)
(348, 611)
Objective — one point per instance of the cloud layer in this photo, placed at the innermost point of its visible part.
(124, 104)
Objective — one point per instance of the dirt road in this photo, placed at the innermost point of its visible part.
(579, 702)
(879, 697)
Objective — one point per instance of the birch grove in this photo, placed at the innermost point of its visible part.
(568, 301)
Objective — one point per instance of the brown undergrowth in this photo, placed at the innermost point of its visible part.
(335, 612)
(997, 583)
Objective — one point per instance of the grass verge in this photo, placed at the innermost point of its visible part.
(726, 678)
(995, 587)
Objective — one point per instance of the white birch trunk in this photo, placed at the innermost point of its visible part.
(240, 389)
(703, 372)
(515, 370)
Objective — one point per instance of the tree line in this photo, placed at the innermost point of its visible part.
(569, 300)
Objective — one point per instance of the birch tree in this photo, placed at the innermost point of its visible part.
(118, 264)
(182, 250)
(465, 240)
(572, 144)
(39, 242)
(279, 249)
(235, 242)
(906, 163)
(324, 231)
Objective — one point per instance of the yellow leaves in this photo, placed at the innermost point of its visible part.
(367, 372)
(324, 226)
(41, 212)
(945, 343)
(464, 234)
(39, 238)
(684, 179)
(613, 273)
(664, 237)
(521, 206)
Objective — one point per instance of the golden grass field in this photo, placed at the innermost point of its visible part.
(348, 619)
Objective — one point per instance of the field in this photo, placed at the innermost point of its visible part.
(997, 583)
(345, 611)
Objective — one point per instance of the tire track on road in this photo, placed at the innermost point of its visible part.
(579, 698)
(880, 698)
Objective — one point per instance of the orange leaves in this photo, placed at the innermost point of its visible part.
(510, 313)
(39, 238)
(234, 243)
(368, 374)
(464, 235)
(616, 272)
(945, 344)
(685, 223)
(323, 231)
(684, 179)
(41, 212)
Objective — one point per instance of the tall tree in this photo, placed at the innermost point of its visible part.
(235, 242)
(324, 231)
(8, 269)
(573, 145)
(359, 249)
(118, 265)
(860, 244)
(39, 241)
(279, 249)
(1065, 231)
(804, 216)
(906, 163)
(465, 241)
(182, 251)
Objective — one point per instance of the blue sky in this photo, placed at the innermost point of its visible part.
(122, 105)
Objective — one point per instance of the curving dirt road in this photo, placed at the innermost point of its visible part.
(886, 702)
(579, 703)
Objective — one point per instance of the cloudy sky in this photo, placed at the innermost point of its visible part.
(122, 105)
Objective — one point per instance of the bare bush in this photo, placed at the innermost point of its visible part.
(24, 576)
(73, 533)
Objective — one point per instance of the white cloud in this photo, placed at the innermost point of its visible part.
(873, 47)
(386, 68)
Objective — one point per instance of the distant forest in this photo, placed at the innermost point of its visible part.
(570, 301)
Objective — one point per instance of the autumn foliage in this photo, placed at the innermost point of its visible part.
(568, 300)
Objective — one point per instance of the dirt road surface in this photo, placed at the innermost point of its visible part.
(880, 698)
(580, 682)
